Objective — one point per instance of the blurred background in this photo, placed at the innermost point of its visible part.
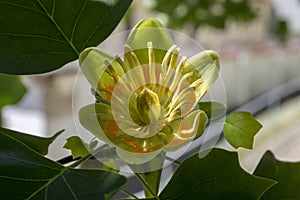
(259, 46)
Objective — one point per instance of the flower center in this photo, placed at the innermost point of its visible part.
(148, 106)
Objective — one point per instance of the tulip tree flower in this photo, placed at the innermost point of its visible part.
(147, 102)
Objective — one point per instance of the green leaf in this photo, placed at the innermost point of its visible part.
(11, 89)
(213, 110)
(77, 147)
(150, 173)
(38, 144)
(216, 176)
(240, 129)
(42, 35)
(25, 174)
(286, 173)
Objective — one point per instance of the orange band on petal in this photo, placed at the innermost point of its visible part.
(111, 128)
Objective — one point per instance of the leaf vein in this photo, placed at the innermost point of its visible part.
(69, 187)
(34, 36)
(38, 54)
(53, 8)
(24, 7)
(77, 20)
(197, 183)
(58, 28)
(33, 163)
(48, 183)
(96, 28)
(24, 179)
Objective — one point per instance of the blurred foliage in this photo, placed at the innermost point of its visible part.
(213, 13)
(11, 90)
(281, 30)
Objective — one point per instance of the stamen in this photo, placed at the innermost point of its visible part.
(179, 98)
(183, 78)
(134, 62)
(196, 83)
(102, 89)
(175, 114)
(151, 62)
(120, 61)
(120, 102)
(176, 79)
(178, 106)
(178, 73)
(172, 64)
(165, 62)
(126, 69)
(174, 57)
(111, 71)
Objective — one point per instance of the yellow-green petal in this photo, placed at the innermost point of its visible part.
(93, 63)
(205, 67)
(149, 30)
(89, 118)
(98, 119)
(190, 127)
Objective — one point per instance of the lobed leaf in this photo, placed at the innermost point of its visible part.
(25, 174)
(42, 35)
(39, 144)
(77, 146)
(240, 129)
(286, 173)
(216, 176)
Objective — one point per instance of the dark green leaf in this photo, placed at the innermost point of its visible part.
(42, 35)
(38, 144)
(286, 173)
(240, 129)
(216, 176)
(77, 147)
(213, 110)
(25, 174)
